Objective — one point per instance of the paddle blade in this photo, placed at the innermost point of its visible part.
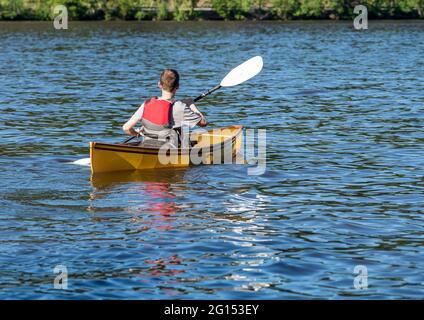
(243, 72)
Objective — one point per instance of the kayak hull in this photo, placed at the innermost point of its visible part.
(219, 145)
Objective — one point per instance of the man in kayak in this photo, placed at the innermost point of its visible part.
(161, 116)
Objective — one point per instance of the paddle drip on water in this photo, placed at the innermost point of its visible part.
(83, 162)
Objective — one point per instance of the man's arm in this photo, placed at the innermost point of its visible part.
(202, 122)
(128, 127)
(184, 113)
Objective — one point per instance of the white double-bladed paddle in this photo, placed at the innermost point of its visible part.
(239, 74)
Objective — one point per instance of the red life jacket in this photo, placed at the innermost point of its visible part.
(157, 115)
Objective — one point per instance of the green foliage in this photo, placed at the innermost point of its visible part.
(310, 8)
(407, 6)
(162, 10)
(184, 9)
(140, 15)
(283, 9)
(227, 9)
(11, 9)
(420, 8)
(232, 9)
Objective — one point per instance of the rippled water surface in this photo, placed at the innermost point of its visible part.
(343, 187)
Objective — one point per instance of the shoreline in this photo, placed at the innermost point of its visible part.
(370, 18)
(213, 10)
(116, 20)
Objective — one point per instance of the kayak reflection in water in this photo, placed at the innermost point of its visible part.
(147, 196)
(160, 208)
(161, 117)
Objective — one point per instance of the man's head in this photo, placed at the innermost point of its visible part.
(169, 80)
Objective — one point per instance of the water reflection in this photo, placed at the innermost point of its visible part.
(109, 180)
(152, 204)
(163, 266)
(151, 207)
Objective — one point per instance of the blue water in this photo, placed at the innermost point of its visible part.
(343, 185)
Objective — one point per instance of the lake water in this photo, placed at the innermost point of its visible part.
(343, 186)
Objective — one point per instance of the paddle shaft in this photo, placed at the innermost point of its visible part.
(207, 93)
(204, 94)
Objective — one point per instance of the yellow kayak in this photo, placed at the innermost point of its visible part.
(219, 145)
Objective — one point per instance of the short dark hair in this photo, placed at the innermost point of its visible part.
(169, 79)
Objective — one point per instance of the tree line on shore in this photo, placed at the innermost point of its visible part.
(208, 9)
